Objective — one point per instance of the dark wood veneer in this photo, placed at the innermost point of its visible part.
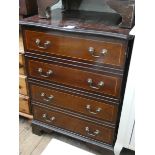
(39, 127)
(74, 125)
(72, 91)
(79, 47)
(74, 103)
(69, 76)
(60, 22)
(92, 67)
(59, 65)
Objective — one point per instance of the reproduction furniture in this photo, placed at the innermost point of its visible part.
(77, 62)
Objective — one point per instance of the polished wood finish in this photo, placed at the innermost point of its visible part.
(24, 104)
(77, 64)
(69, 76)
(74, 124)
(39, 127)
(79, 47)
(94, 109)
(21, 64)
(27, 138)
(62, 22)
(23, 85)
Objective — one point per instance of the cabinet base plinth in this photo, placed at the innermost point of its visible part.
(38, 128)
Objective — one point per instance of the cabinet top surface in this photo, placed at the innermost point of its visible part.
(75, 21)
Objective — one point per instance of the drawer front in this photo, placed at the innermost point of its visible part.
(21, 64)
(22, 85)
(78, 104)
(24, 104)
(73, 124)
(110, 53)
(97, 83)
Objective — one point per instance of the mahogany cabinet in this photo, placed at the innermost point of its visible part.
(77, 67)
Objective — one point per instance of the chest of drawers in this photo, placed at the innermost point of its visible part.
(76, 80)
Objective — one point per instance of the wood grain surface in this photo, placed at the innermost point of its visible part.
(75, 78)
(92, 108)
(77, 47)
(74, 124)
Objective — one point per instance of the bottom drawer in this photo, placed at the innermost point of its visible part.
(74, 124)
(24, 104)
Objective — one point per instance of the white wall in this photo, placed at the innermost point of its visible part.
(127, 120)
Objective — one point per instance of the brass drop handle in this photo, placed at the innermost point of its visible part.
(88, 107)
(93, 134)
(103, 52)
(45, 44)
(46, 98)
(47, 74)
(99, 85)
(51, 119)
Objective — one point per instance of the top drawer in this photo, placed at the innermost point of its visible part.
(101, 51)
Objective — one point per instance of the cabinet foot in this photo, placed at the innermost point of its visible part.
(37, 131)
